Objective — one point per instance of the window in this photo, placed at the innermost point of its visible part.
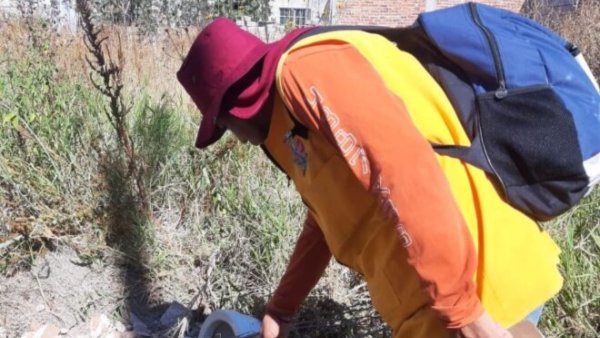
(294, 16)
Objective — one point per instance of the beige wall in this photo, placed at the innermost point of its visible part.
(398, 12)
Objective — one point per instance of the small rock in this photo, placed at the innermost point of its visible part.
(47, 331)
(34, 325)
(128, 334)
(120, 327)
(173, 314)
(40, 308)
(63, 331)
(206, 311)
(99, 325)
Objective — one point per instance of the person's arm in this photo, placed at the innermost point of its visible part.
(307, 263)
(335, 91)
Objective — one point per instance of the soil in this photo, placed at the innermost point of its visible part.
(60, 296)
(57, 290)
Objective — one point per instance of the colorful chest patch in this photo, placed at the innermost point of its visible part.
(298, 150)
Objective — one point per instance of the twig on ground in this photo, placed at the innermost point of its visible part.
(14, 240)
(37, 279)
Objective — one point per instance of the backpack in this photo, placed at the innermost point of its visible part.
(531, 111)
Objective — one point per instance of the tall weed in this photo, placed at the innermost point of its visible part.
(44, 167)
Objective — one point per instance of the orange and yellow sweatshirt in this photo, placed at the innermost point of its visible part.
(382, 202)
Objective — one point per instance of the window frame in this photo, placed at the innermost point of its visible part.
(298, 16)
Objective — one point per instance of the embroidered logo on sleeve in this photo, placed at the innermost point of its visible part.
(298, 150)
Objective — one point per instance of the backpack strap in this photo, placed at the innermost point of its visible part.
(413, 39)
(474, 155)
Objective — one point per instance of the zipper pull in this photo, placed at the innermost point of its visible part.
(501, 92)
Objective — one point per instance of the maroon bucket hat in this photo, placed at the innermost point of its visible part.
(220, 56)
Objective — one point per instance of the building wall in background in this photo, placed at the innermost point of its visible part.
(315, 11)
(286, 14)
(61, 13)
(399, 12)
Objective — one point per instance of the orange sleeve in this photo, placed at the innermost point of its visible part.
(335, 91)
(307, 263)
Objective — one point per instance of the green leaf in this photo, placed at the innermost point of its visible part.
(31, 116)
(9, 117)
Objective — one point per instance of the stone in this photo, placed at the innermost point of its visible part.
(99, 326)
(128, 334)
(120, 327)
(174, 313)
(47, 331)
(35, 325)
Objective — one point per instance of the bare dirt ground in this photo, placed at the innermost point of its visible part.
(60, 296)
(58, 290)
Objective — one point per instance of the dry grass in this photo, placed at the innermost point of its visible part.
(575, 312)
(149, 62)
(216, 236)
(580, 26)
(222, 223)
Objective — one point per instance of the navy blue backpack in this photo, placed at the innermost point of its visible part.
(531, 111)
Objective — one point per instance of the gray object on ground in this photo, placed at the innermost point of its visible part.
(229, 324)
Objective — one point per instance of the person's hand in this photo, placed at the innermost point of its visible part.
(484, 327)
(273, 328)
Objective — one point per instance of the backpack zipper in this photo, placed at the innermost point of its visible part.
(501, 92)
(487, 158)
